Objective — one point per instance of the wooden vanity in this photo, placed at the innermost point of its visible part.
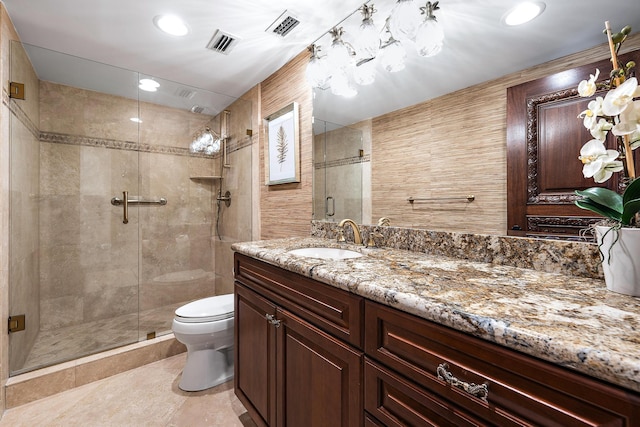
(310, 354)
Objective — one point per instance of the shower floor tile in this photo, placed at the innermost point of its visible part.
(72, 342)
(145, 396)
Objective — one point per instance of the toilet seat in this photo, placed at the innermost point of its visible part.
(206, 310)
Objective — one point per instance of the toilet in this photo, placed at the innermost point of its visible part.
(205, 327)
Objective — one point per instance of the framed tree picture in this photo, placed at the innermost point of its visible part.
(283, 146)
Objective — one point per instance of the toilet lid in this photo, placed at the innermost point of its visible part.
(207, 309)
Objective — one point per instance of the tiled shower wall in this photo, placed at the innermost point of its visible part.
(89, 258)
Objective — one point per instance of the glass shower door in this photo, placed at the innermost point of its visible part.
(74, 258)
(337, 180)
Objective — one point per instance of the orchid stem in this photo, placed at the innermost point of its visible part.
(614, 57)
(628, 157)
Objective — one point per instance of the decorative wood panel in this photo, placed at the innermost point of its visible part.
(287, 209)
(544, 137)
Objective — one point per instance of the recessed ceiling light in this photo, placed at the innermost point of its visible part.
(523, 12)
(171, 24)
(149, 85)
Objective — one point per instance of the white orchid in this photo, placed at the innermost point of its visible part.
(599, 130)
(590, 115)
(587, 88)
(619, 113)
(617, 100)
(599, 163)
(629, 123)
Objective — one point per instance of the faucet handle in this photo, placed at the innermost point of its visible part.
(371, 242)
(384, 221)
(340, 238)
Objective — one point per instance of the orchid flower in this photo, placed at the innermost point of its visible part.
(617, 100)
(599, 163)
(599, 130)
(590, 115)
(587, 88)
(629, 121)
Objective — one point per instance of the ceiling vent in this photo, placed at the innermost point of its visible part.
(222, 42)
(197, 109)
(183, 92)
(282, 26)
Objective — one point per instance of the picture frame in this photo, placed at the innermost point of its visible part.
(282, 158)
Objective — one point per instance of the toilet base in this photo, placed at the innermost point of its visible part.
(206, 368)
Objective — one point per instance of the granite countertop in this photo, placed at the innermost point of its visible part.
(571, 321)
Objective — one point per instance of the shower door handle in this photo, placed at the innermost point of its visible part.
(330, 200)
(125, 207)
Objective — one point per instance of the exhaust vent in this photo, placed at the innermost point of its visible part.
(222, 42)
(197, 109)
(282, 26)
(183, 92)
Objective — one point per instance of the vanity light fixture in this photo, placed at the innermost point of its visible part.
(171, 24)
(344, 63)
(207, 142)
(148, 85)
(523, 12)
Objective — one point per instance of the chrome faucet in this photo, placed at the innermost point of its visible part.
(357, 238)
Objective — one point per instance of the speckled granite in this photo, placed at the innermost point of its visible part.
(571, 321)
(553, 256)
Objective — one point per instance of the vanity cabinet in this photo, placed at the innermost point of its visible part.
(303, 357)
(421, 373)
(298, 358)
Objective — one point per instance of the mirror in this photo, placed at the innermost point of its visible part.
(338, 171)
(439, 125)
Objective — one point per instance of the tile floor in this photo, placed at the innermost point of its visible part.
(72, 342)
(145, 396)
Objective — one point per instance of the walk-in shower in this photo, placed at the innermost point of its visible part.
(113, 219)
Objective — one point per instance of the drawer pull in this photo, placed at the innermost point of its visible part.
(477, 390)
(272, 319)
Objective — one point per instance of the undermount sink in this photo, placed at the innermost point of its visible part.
(325, 253)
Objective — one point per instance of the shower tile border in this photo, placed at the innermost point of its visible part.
(343, 162)
(68, 139)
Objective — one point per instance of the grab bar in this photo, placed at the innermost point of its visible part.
(118, 202)
(469, 199)
(125, 202)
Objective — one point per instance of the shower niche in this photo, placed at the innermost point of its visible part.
(90, 275)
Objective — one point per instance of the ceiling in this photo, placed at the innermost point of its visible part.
(477, 46)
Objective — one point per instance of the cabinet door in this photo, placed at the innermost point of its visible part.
(320, 378)
(255, 339)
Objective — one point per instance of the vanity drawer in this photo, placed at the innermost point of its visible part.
(397, 402)
(331, 309)
(522, 390)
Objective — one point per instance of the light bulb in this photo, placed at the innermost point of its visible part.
(404, 20)
(338, 56)
(317, 72)
(429, 38)
(368, 42)
(392, 57)
(207, 138)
